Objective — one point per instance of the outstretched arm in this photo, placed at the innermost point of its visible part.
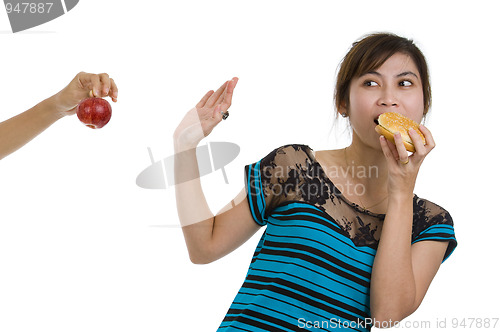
(22, 128)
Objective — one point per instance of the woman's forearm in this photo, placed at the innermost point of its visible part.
(22, 128)
(392, 288)
(194, 213)
(196, 219)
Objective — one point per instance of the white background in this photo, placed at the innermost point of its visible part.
(82, 248)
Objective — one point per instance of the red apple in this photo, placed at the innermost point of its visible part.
(94, 112)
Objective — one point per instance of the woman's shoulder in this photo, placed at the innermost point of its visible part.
(287, 157)
(428, 212)
(294, 148)
(289, 152)
(432, 222)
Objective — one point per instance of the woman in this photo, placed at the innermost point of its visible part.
(324, 260)
(20, 129)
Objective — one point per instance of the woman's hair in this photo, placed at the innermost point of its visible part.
(370, 53)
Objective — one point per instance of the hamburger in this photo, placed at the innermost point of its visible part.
(391, 122)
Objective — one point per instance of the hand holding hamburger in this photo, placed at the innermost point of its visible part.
(391, 122)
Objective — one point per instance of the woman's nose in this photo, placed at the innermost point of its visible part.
(388, 98)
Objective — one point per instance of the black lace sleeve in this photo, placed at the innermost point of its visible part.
(268, 181)
(432, 222)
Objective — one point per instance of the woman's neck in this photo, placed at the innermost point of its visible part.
(366, 166)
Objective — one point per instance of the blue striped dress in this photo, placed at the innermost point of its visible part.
(311, 269)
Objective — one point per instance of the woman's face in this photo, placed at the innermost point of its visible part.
(393, 87)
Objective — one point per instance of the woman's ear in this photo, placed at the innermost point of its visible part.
(343, 110)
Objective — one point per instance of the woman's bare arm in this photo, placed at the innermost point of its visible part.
(22, 128)
(207, 237)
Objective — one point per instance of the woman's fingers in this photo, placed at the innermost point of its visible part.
(392, 149)
(387, 149)
(213, 104)
(227, 97)
(394, 152)
(402, 154)
(213, 98)
(225, 100)
(429, 140)
(113, 91)
(98, 85)
(83, 82)
(421, 150)
(212, 120)
(222, 95)
(203, 100)
(417, 142)
(95, 82)
(91, 83)
(218, 101)
(217, 112)
(105, 84)
(399, 151)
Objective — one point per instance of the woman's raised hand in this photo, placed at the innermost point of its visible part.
(201, 120)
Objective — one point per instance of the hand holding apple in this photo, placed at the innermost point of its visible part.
(20, 129)
(82, 86)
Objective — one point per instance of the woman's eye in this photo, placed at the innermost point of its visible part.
(370, 83)
(405, 83)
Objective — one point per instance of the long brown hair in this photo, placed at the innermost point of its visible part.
(368, 54)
